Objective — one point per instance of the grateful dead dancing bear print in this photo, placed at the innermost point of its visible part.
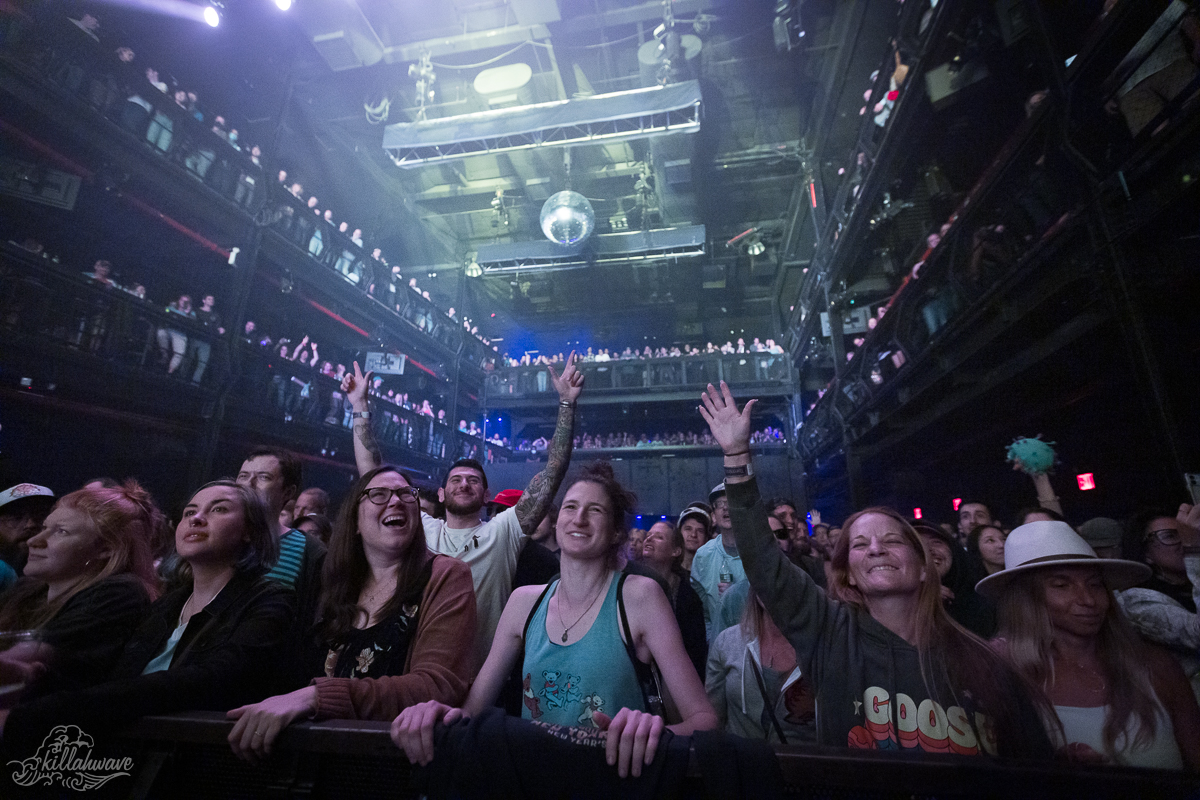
(529, 698)
(591, 704)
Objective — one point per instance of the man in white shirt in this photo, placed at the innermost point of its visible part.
(490, 548)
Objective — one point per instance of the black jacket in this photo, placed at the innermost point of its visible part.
(226, 658)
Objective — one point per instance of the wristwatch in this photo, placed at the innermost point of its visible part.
(743, 471)
(360, 415)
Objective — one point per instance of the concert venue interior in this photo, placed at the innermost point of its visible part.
(950, 246)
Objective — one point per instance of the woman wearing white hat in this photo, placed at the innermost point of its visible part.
(1117, 698)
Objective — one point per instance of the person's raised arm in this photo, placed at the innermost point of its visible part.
(366, 448)
(539, 494)
(299, 347)
(798, 606)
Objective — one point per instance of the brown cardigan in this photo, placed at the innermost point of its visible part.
(439, 664)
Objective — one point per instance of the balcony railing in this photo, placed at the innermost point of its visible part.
(766, 373)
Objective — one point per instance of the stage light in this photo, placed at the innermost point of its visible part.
(755, 247)
(473, 269)
(211, 16)
(1086, 481)
(284, 5)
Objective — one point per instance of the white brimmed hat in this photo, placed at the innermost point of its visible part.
(1041, 544)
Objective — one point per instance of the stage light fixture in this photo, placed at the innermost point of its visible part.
(755, 247)
(211, 16)
(473, 270)
(284, 5)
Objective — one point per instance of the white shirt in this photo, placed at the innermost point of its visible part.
(490, 549)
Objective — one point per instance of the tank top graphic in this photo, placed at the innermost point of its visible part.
(566, 684)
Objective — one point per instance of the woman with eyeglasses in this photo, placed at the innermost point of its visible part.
(395, 622)
(1163, 607)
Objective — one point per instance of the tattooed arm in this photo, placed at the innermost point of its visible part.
(366, 449)
(539, 494)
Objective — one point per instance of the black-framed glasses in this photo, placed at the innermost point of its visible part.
(1167, 536)
(380, 495)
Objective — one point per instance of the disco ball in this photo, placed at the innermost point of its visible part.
(568, 218)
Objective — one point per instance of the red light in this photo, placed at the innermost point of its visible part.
(916, 513)
(1086, 481)
(957, 502)
(812, 193)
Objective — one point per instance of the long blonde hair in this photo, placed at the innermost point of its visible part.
(947, 652)
(1029, 635)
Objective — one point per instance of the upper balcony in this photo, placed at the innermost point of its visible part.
(649, 380)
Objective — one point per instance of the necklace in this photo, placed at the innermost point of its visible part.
(567, 628)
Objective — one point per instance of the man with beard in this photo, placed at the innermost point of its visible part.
(490, 548)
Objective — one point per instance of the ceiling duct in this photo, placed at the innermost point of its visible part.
(607, 248)
(340, 33)
(619, 116)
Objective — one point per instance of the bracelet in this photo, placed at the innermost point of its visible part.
(566, 403)
(738, 453)
(360, 415)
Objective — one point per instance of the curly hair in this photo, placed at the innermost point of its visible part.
(621, 503)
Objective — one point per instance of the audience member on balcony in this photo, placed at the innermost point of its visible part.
(755, 684)
(394, 624)
(101, 273)
(1163, 607)
(885, 647)
(583, 641)
(172, 342)
(717, 565)
(22, 510)
(492, 548)
(211, 644)
(88, 583)
(201, 348)
(662, 553)
(1118, 700)
(275, 475)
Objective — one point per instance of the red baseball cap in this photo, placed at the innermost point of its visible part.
(507, 498)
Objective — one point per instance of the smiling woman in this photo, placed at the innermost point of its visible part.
(891, 670)
(395, 622)
(210, 644)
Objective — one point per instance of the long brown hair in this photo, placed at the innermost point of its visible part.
(346, 569)
(1029, 636)
(128, 523)
(947, 652)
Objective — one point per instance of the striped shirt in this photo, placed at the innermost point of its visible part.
(291, 558)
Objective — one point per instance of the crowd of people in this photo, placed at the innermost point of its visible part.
(422, 608)
(647, 353)
(613, 441)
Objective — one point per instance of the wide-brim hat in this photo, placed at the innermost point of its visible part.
(1045, 543)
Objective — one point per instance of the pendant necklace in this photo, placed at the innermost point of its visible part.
(567, 628)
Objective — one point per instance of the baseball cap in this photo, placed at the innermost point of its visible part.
(22, 491)
(507, 498)
(716, 492)
(1101, 532)
(696, 511)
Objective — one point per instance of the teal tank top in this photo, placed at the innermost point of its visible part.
(564, 684)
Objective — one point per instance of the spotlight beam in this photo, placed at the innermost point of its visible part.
(170, 8)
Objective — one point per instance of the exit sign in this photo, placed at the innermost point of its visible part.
(1086, 481)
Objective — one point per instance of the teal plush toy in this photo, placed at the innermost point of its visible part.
(1032, 456)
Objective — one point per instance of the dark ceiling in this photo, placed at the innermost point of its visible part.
(743, 169)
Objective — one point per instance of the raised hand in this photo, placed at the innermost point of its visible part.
(632, 739)
(570, 384)
(729, 427)
(355, 386)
